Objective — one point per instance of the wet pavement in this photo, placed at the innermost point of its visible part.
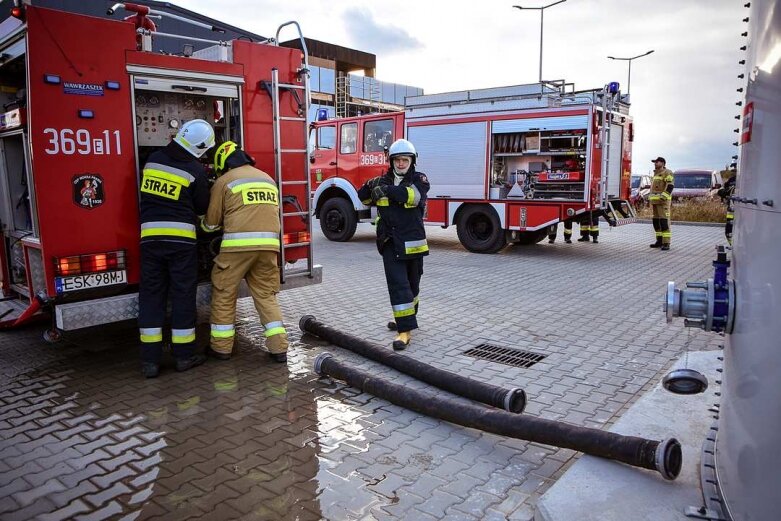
(84, 436)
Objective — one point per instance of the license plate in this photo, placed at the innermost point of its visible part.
(93, 280)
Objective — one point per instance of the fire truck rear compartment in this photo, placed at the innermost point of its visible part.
(161, 106)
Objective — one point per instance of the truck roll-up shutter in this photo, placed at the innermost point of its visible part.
(453, 158)
(542, 124)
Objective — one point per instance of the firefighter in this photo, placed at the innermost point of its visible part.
(661, 197)
(400, 197)
(553, 230)
(726, 192)
(245, 204)
(174, 191)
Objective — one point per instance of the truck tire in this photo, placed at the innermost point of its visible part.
(529, 238)
(338, 219)
(480, 230)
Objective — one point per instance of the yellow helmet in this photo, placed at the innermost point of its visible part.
(221, 155)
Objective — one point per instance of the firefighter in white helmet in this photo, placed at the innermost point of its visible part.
(400, 197)
(173, 193)
(245, 204)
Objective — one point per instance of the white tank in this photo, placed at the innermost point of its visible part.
(748, 445)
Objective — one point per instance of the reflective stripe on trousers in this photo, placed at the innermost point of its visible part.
(151, 334)
(182, 336)
(222, 331)
(274, 328)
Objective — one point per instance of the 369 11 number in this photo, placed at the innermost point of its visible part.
(68, 142)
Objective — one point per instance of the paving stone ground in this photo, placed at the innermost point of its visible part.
(83, 436)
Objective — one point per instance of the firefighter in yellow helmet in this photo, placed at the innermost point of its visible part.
(245, 204)
(661, 200)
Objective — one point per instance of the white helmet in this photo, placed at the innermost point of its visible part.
(402, 147)
(196, 136)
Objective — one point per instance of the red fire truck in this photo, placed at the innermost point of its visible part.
(86, 103)
(505, 164)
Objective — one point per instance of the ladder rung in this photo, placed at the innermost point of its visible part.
(297, 273)
(294, 182)
(298, 150)
(291, 86)
(296, 244)
(291, 118)
(294, 214)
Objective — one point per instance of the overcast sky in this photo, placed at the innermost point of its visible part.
(683, 95)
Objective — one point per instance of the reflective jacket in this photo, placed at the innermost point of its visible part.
(245, 203)
(400, 223)
(661, 186)
(173, 192)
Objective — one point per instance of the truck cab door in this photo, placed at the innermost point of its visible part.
(323, 154)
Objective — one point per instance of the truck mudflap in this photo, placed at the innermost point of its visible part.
(95, 312)
(619, 212)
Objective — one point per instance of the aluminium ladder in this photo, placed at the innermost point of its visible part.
(303, 211)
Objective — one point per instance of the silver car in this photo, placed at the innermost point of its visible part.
(693, 182)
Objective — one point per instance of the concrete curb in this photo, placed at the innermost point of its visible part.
(683, 223)
(595, 489)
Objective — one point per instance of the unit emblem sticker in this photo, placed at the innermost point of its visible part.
(88, 191)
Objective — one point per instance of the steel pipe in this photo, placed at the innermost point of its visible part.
(663, 456)
(512, 400)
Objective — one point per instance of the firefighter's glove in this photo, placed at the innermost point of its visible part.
(209, 228)
(379, 192)
(374, 181)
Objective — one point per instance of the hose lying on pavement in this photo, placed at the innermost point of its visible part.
(662, 456)
(512, 400)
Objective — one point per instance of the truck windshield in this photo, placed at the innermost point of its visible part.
(635, 182)
(692, 180)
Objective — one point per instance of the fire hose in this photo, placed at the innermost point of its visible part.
(512, 400)
(663, 456)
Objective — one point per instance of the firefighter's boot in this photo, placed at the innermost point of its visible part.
(217, 354)
(657, 244)
(185, 364)
(665, 247)
(392, 325)
(401, 341)
(567, 240)
(150, 369)
(280, 358)
(584, 238)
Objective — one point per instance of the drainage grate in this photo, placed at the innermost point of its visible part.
(505, 355)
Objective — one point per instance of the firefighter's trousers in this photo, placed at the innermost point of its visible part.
(661, 220)
(167, 268)
(260, 270)
(403, 278)
(589, 225)
(554, 230)
(728, 226)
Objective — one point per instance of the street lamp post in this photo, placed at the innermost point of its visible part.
(629, 78)
(542, 13)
